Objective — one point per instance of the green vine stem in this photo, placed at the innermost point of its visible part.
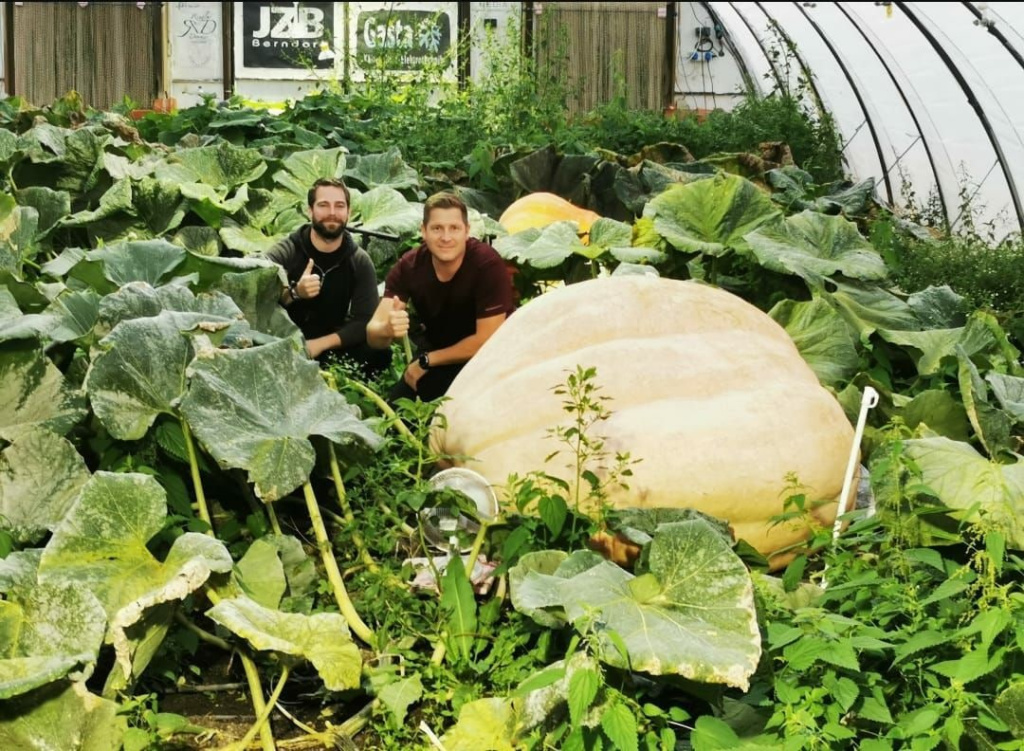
(197, 480)
(202, 633)
(274, 523)
(389, 413)
(252, 676)
(348, 610)
(346, 510)
(261, 719)
(478, 543)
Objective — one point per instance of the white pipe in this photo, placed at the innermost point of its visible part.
(867, 402)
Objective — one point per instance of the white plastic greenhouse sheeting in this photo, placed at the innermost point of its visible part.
(925, 98)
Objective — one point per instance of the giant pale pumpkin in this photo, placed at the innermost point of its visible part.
(541, 209)
(707, 391)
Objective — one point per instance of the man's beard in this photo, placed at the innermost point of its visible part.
(329, 234)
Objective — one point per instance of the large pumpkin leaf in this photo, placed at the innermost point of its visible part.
(982, 340)
(46, 632)
(51, 205)
(101, 547)
(62, 158)
(483, 725)
(139, 375)
(940, 411)
(992, 425)
(157, 208)
(18, 569)
(212, 204)
(547, 247)
(302, 168)
(966, 482)
(868, 308)
(19, 239)
(636, 186)
(938, 307)
(711, 216)
(74, 315)
(224, 167)
(117, 199)
(691, 614)
(33, 392)
(825, 340)
(1009, 390)
(256, 293)
(814, 246)
(213, 312)
(322, 638)
(40, 476)
(381, 170)
(110, 267)
(16, 325)
(64, 716)
(267, 218)
(385, 210)
(255, 409)
(260, 574)
(200, 240)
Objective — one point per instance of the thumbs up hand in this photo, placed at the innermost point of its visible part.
(398, 319)
(308, 285)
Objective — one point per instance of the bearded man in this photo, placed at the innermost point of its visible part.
(332, 286)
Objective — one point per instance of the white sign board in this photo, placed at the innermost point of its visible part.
(196, 42)
(495, 29)
(403, 38)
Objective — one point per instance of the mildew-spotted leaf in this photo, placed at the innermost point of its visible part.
(33, 392)
(255, 409)
(321, 638)
(101, 547)
(46, 632)
(139, 375)
(40, 476)
(61, 716)
(691, 614)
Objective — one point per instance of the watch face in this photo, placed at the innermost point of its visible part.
(424, 361)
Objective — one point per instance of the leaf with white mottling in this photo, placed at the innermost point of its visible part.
(33, 392)
(698, 622)
(18, 569)
(321, 638)
(46, 631)
(41, 474)
(101, 546)
(60, 717)
(255, 409)
(139, 375)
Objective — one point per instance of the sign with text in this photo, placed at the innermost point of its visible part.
(196, 42)
(286, 37)
(414, 38)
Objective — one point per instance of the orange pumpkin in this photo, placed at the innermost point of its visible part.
(542, 209)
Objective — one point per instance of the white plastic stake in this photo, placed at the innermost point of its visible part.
(868, 401)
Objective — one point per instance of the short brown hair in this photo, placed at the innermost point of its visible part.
(445, 200)
(331, 182)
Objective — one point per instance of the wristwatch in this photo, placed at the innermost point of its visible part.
(293, 292)
(424, 361)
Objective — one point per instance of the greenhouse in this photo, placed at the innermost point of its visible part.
(492, 376)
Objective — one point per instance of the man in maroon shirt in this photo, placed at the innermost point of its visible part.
(460, 293)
